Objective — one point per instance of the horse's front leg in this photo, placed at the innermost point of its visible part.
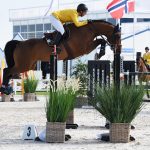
(96, 43)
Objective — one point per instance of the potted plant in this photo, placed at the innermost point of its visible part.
(80, 72)
(58, 106)
(29, 86)
(119, 106)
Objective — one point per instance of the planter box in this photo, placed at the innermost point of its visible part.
(55, 132)
(119, 132)
(70, 119)
(5, 98)
(81, 101)
(29, 97)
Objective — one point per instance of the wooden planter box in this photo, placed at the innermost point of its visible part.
(81, 101)
(29, 97)
(55, 132)
(70, 119)
(5, 98)
(119, 132)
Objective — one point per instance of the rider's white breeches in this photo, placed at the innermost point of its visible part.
(57, 24)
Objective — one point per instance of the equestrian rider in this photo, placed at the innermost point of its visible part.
(146, 56)
(58, 18)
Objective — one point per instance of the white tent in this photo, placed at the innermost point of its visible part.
(18, 37)
(1, 54)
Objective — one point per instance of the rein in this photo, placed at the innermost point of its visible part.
(93, 29)
(145, 65)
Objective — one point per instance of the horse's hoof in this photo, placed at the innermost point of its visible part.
(6, 91)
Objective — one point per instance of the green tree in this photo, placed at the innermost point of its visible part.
(80, 72)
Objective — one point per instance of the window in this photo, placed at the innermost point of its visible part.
(111, 20)
(24, 35)
(126, 20)
(39, 34)
(16, 29)
(39, 27)
(31, 28)
(143, 19)
(47, 27)
(31, 35)
(24, 28)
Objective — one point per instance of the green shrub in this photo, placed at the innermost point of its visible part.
(59, 104)
(119, 106)
(30, 85)
(80, 72)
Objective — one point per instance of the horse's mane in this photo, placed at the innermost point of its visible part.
(100, 21)
(103, 21)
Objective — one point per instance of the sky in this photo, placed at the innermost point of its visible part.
(6, 26)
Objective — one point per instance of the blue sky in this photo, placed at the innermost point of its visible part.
(6, 26)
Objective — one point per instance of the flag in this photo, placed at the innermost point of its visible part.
(117, 8)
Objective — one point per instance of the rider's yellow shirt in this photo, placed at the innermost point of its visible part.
(146, 57)
(69, 15)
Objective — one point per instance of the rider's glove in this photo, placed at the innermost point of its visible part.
(89, 21)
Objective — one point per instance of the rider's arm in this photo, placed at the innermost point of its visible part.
(77, 22)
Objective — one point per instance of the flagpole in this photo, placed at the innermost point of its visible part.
(133, 35)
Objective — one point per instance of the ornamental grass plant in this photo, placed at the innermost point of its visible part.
(30, 85)
(59, 104)
(119, 106)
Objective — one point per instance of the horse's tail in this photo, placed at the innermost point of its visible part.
(9, 51)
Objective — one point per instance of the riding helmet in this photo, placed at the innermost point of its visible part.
(82, 7)
(146, 48)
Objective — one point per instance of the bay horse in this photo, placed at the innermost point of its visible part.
(143, 77)
(22, 56)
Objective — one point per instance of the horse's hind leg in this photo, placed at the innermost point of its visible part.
(6, 77)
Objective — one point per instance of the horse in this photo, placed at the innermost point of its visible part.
(142, 67)
(22, 56)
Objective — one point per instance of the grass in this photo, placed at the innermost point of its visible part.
(59, 104)
(42, 93)
(119, 106)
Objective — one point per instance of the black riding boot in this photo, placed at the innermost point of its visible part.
(57, 39)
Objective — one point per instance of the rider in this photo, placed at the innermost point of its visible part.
(58, 18)
(146, 56)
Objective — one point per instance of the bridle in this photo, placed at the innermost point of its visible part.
(113, 35)
(140, 64)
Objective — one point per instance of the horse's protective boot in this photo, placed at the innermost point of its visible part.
(6, 90)
(102, 49)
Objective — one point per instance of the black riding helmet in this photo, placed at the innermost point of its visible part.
(146, 48)
(82, 7)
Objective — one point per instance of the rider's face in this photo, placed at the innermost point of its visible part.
(82, 13)
(146, 50)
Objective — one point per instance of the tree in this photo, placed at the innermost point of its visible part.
(80, 72)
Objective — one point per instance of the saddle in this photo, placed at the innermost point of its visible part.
(52, 36)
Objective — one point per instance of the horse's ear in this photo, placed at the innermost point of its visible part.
(117, 28)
